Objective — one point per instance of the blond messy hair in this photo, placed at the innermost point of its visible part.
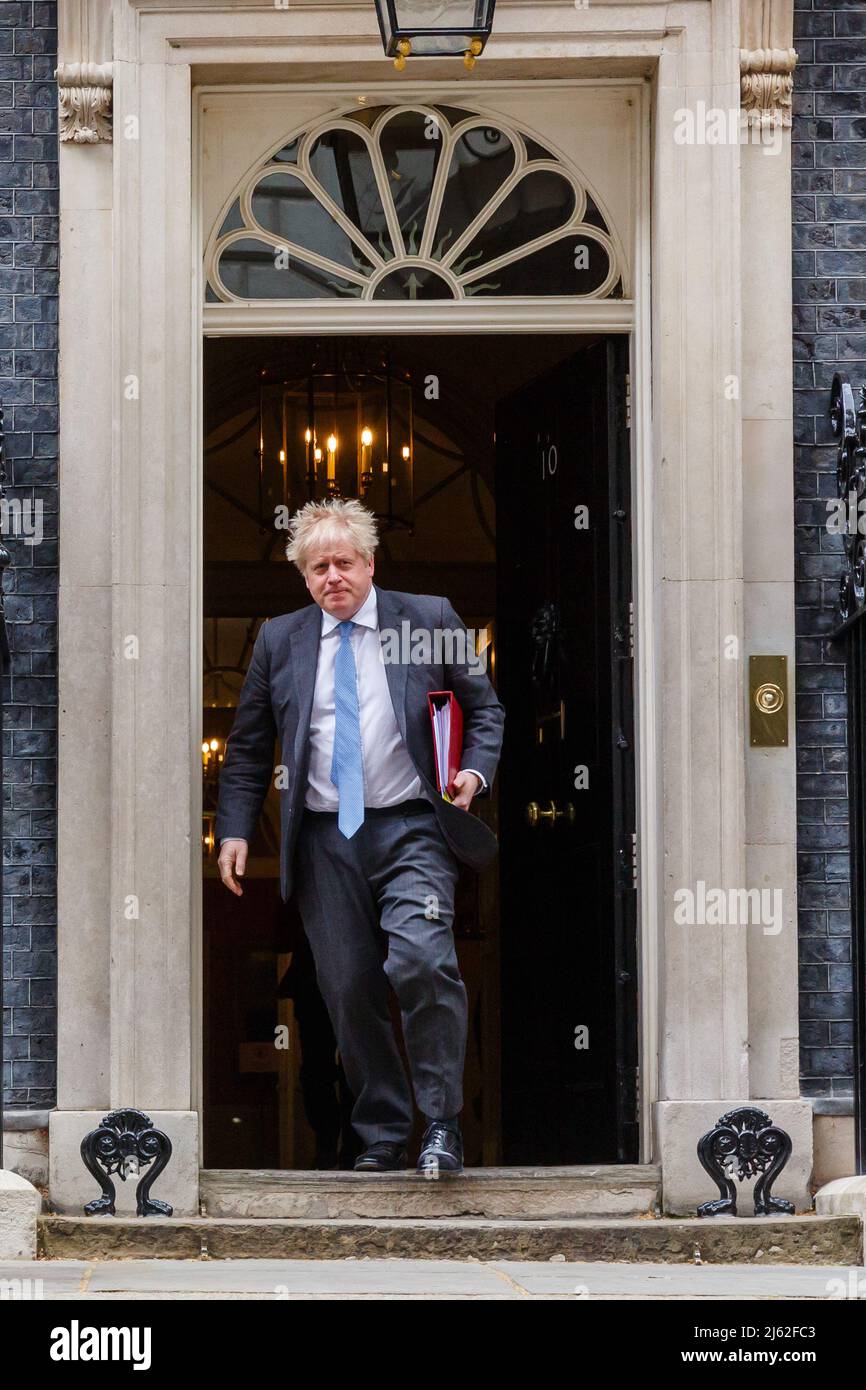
(319, 523)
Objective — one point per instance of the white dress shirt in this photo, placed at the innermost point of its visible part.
(389, 774)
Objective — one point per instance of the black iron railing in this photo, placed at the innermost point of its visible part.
(5, 557)
(848, 423)
(847, 413)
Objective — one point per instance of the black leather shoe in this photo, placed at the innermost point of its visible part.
(384, 1157)
(441, 1148)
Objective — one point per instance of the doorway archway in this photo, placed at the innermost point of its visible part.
(429, 217)
(547, 936)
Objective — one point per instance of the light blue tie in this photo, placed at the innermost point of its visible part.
(347, 772)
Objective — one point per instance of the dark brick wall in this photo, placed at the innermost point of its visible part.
(829, 209)
(28, 393)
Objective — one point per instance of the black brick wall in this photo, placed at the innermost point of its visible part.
(829, 210)
(28, 393)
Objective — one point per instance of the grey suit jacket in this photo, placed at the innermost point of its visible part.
(277, 699)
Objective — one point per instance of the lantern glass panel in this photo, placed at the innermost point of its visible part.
(335, 420)
(401, 462)
(274, 465)
(373, 470)
(434, 27)
(299, 451)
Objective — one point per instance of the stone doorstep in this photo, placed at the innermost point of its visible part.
(511, 1193)
(802, 1240)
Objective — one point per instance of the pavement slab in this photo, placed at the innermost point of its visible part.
(280, 1280)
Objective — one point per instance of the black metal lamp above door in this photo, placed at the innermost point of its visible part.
(435, 28)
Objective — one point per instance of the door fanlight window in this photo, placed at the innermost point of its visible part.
(411, 203)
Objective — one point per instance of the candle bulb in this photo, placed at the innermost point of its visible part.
(366, 477)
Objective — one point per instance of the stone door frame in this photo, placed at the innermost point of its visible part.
(130, 336)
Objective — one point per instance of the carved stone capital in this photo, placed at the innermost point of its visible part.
(84, 91)
(766, 84)
(767, 61)
(84, 70)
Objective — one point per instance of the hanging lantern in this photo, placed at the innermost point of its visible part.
(435, 28)
(340, 429)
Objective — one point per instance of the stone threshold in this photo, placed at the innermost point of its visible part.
(514, 1193)
(800, 1240)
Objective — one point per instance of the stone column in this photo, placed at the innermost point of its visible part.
(729, 1013)
(128, 509)
(766, 63)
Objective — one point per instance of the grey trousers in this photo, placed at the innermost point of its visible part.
(379, 907)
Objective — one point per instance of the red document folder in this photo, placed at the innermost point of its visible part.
(446, 717)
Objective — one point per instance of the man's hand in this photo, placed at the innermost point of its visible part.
(233, 860)
(464, 787)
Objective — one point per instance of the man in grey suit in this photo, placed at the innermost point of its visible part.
(368, 844)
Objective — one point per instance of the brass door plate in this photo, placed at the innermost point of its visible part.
(768, 701)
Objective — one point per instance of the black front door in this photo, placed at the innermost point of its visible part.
(564, 674)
